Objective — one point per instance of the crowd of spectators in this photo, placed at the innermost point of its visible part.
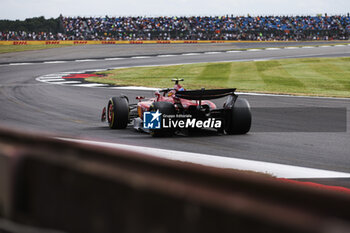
(23, 35)
(195, 28)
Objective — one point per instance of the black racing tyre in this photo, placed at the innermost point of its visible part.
(164, 108)
(118, 112)
(238, 120)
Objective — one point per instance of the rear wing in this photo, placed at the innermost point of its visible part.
(205, 94)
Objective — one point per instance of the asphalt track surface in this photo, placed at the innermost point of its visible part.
(70, 111)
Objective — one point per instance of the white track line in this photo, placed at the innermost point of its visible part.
(73, 72)
(275, 169)
(272, 48)
(54, 62)
(96, 70)
(212, 52)
(292, 48)
(262, 59)
(234, 51)
(66, 82)
(167, 55)
(140, 57)
(190, 54)
(21, 64)
(85, 60)
(254, 50)
(113, 58)
(135, 88)
(90, 85)
(52, 79)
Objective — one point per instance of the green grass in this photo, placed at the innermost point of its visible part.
(20, 48)
(307, 76)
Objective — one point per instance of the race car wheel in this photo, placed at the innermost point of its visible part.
(164, 108)
(238, 119)
(118, 113)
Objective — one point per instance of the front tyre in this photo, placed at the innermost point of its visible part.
(118, 113)
(238, 119)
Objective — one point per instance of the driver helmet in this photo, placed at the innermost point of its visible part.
(178, 87)
(171, 93)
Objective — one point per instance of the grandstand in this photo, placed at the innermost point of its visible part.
(260, 28)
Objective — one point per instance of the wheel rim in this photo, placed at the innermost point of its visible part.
(110, 112)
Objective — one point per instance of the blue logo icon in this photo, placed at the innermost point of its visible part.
(151, 120)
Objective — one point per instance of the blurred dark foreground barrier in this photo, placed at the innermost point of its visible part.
(69, 187)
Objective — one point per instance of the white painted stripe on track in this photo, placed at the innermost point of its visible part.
(292, 48)
(140, 57)
(234, 51)
(21, 64)
(275, 169)
(72, 72)
(52, 79)
(51, 75)
(135, 88)
(263, 59)
(85, 60)
(272, 48)
(212, 52)
(308, 47)
(90, 85)
(54, 62)
(254, 50)
(95, 70)
(191, 54)
(114, 58)
(66, 82)
(167, 55)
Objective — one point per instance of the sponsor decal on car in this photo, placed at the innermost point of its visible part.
(157, 120)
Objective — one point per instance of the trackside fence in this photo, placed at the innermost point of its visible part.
(53, 184)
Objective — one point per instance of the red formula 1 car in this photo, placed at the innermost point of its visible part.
(174, 109)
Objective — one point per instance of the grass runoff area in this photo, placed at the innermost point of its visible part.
(20, 48)
(306, 76)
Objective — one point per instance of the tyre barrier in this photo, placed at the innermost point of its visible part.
(55, 184)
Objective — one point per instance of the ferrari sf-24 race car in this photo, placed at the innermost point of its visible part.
(176, 109)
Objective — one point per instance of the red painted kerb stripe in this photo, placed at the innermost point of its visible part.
(82, 75)
(316, 185)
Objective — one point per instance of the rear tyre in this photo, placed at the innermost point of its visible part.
(164, 108)
(118, 113)
(238, 119)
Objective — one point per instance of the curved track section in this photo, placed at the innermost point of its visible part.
(74, 111)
